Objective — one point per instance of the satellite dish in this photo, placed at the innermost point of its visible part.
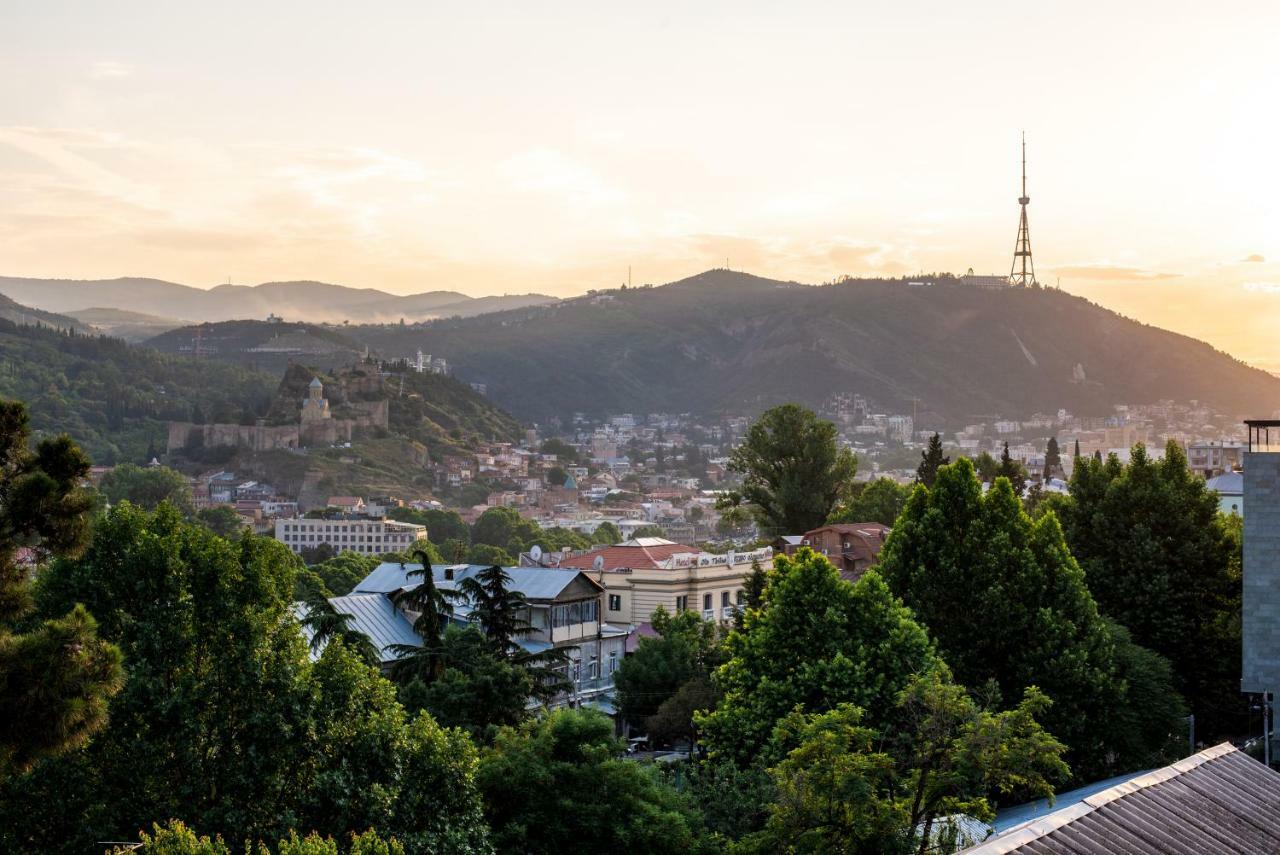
(598, 563)
(535, 552)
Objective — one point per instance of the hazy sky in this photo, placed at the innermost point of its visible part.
(546, 146)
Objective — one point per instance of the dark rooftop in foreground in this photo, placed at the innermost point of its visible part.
(1219, 800)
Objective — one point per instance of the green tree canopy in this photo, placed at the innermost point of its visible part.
(930, 460)
(1008, 605)
(56, 676)
(223, 720)
(817, 642)
(793, 473)
(147, 487)
(558, 784)
(442, 525)
(505, 529)
(606, 534)
(686, 648)
(1161, 560)
(221, 520)
(879, 501)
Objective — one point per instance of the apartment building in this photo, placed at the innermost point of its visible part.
(350, 532)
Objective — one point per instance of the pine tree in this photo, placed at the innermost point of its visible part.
(1011, 469)
(930, 460)
(1077, 454)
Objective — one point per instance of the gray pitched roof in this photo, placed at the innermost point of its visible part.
(1219, 800)
(536, 583)
(375, 616)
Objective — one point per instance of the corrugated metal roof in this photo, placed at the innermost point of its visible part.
(1219, 800)
(375, 616)
(536, 583)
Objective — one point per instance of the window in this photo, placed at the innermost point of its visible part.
(615, 602)
(742, 596)
(593, 670)
(706, 602)
(613, 661)
(682, 603)
(724, 598)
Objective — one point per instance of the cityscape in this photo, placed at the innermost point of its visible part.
(669, 455)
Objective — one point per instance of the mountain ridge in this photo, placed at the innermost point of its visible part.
(309, 300)
(729, 342)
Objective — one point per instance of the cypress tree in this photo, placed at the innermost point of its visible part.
(930, 460)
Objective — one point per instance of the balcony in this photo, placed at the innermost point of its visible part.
(730, 612)
(708, 614)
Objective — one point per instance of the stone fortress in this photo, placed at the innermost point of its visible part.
(316, 425)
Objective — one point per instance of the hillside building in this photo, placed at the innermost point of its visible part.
(350, 532)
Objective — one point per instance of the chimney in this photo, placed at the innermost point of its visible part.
(448, 573)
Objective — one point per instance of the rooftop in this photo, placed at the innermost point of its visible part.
(638, 553)
(1220, 800)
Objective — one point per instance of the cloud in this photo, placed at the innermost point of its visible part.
(1112, 272)
(110, 70)
(1262, 287)
(546, 170)
(1254, 259)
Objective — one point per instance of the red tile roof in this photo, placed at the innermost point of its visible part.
(622, 557)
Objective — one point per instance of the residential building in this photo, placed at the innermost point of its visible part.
(354, 532)
(852, 547)
(564, 613)
(1230, 489)
(1209, 458)
(641, 574)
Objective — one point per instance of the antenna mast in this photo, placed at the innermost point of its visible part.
(1023, 271)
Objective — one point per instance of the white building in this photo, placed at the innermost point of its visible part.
(361, 534)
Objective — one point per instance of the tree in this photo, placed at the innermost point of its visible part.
(223, 720)
(434, 609)
(175, 838)
(818, 641)
(1076, 455)
(987, 468)
(846, 787)
(441, 525)
(478, 690)
(56, 676)
(752, 594)
(326, 623)
(606, 534)
(1013, 470)
(962, 559)
(1163, 562)
(147, 487)
(1052, 459)
(505, 529)
(341, 573)
(685, 649)
(793, 472)
(483, 553)
(879, 501)
(648, 531)
(222, 520)
(558, 784)
(563, 451)
(930, 459)
(674, 719)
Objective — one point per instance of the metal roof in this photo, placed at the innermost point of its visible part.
(536, 583)
(1220, 800)
(375, 616)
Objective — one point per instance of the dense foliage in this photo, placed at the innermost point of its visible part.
(1161, 560)
(792, 471)
(56, 675)
(1009, 608)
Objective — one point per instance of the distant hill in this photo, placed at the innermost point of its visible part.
(130, 326)
(25, 315)
(259, 344)
(305, 300)
(729, 342)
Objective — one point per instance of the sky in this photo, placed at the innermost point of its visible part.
(496, 148)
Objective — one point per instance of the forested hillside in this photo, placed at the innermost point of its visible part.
(731, 342)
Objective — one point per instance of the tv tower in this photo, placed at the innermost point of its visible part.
(1023, 271)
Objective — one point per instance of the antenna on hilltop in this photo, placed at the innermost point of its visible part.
(1023, 271)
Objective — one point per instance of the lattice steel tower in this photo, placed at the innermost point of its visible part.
(1023, 271)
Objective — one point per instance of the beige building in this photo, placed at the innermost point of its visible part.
(641, 574)
(362, 534)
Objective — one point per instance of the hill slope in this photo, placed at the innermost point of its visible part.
(305, 300)
(730, 342)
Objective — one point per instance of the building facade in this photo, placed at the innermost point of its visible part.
(355, 533)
